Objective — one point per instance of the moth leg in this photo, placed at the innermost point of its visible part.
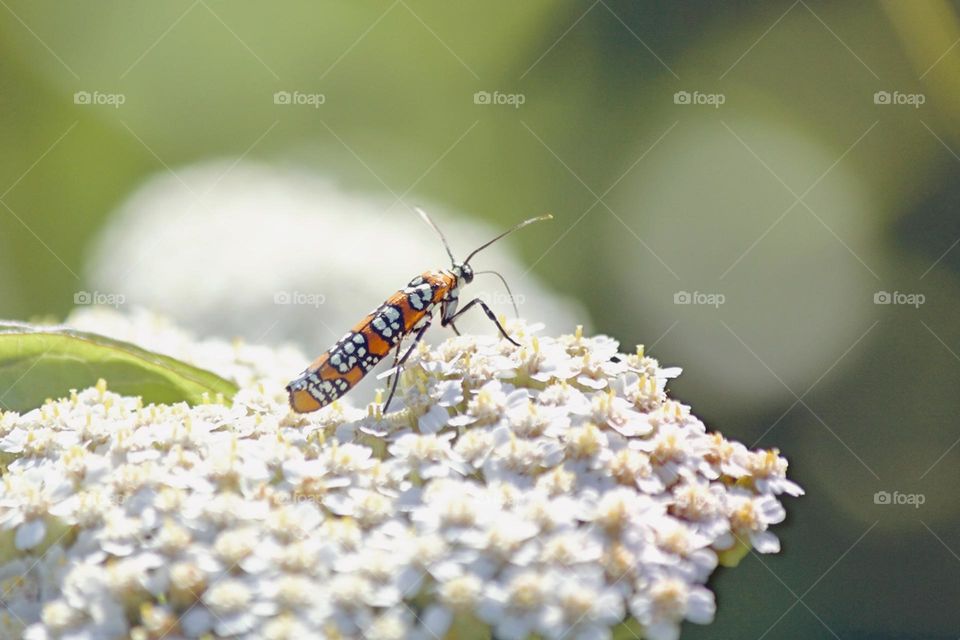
(394, 376)
(486, 310)
(399, 361)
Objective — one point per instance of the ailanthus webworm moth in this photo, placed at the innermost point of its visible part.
(407, 312)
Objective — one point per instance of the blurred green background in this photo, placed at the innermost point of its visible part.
(800, 199)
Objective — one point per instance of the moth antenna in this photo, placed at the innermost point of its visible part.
(443, 239)
(506, 233)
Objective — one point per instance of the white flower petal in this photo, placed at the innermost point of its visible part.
(765, 542)
(433, 420)
(700, 606)
(30, 534)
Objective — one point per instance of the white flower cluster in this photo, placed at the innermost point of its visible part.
(551, 490)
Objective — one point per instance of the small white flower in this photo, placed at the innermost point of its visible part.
(393, 624)
(516, 457)
(60, 617)
(368, 508)
(750, 516)
(235, 548)
(429, 455)
(121, 534)
(645, 392)
(675, 450)
(519, 605)
(570, 547)
(618, 414)
(487, 406)
(679, 547)
(348, 459)
(589, 607)
(474, 445)
(545, 361)
(26, 499)
(663, 601)
(230, 602)
(769, 472)
(617, 511)
(533, 420)
(632, 467)
(703, 506)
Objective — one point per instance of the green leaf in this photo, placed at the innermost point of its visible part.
(40, 362)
